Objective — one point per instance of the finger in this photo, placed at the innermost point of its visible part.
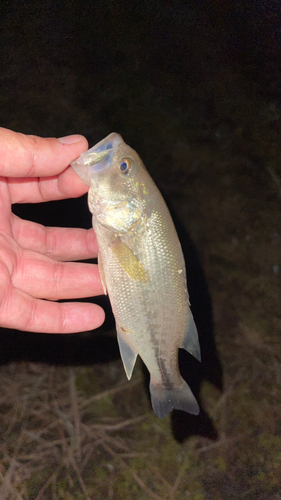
(40, 189)
(44, 162)
(22, 312)
(55, 242)
(43, 277)
(31, 156)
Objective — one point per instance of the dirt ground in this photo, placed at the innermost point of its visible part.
(202, 107)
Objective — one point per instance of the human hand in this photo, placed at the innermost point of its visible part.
(33, 258)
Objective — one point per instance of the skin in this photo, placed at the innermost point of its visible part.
(33, 258)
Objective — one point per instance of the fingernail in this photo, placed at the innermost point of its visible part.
(70, 139)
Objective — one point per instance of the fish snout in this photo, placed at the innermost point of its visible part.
(97, 159)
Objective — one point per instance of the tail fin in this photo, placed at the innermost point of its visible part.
(179, 398)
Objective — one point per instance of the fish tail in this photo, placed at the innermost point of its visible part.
(178, 398)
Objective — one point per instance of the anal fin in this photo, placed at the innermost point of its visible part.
(128, 355)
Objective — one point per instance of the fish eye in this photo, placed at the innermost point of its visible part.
(126, 166)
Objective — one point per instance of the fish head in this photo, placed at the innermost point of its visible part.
(120, 186)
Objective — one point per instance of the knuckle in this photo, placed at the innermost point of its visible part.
(50, 241)
(62, 319)
(31, 319)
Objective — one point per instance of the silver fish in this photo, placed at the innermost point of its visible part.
(142, 269)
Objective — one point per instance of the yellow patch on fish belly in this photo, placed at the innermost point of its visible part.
(129, 262)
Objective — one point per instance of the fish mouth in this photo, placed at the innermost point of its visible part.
(98, 158)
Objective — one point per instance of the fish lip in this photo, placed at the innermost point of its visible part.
(97, 158)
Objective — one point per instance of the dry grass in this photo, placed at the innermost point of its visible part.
(53, 444)
(56, 443)
(48, 432)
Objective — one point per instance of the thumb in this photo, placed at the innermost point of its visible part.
(31, 156)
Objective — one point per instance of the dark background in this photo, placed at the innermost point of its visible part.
(194, 87)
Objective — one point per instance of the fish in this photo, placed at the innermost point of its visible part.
(142, 269)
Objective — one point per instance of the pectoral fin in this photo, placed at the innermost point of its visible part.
(102, 274)
(127, 354)
(191, 342)
(129, 262)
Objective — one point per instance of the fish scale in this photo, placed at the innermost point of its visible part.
(142, 269)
